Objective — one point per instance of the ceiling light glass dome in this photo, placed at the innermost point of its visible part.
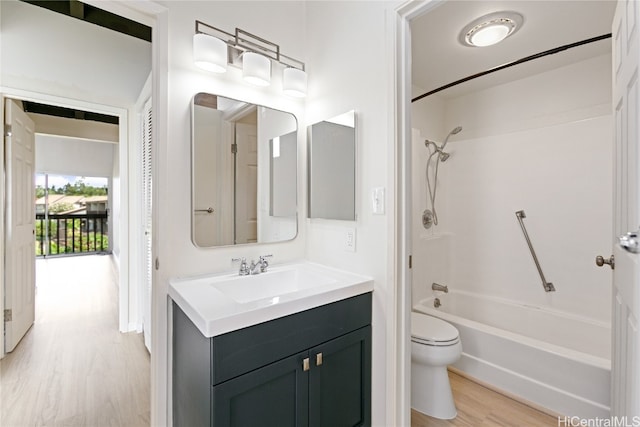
(491, 29)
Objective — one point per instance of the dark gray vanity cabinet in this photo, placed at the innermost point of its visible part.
(311, 368)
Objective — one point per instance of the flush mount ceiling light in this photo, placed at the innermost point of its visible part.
(491, 29)
(214, 49)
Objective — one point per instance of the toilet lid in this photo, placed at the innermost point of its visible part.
(431, 329)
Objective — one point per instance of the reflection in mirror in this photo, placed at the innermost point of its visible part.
(244, 170)
(332, 168)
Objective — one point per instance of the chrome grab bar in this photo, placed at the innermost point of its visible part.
(548, 286)
(209, 210)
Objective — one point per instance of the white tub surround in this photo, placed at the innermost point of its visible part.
(552, 359)
(221, 303)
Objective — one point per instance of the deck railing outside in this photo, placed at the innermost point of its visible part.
(71, 233)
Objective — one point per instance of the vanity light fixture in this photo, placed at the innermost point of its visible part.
(491, 29)
(214, 49)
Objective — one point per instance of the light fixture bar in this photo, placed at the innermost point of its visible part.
(243, 41)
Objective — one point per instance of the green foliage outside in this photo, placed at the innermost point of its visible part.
(73, 235)
(79, 188)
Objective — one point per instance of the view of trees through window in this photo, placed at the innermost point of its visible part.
(73, 218)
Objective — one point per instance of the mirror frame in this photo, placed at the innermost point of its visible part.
(294, 219)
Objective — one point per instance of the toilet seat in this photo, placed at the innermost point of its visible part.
(429, 330)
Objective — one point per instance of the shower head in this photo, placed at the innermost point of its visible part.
(454, 131)
(444, 156)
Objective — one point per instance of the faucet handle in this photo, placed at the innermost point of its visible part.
(263, 262)
(244, 269)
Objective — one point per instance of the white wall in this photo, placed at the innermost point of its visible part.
(350, 63)
(51, 53)
(542, 144)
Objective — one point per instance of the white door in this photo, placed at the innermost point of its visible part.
(20, 237)
(625, 360)
(147, 191)
(246, 183)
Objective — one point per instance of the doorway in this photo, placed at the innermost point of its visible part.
(411, 213)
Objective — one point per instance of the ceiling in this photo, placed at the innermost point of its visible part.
(96, 16)
(438, 58)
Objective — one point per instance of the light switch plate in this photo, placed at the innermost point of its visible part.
(350, 240)
(378, 202)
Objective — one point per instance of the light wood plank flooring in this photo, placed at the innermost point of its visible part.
(480, 407)
(73, 368)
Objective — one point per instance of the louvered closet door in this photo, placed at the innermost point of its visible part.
(147, 191)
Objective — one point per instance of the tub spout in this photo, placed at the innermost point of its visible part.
(437, 287)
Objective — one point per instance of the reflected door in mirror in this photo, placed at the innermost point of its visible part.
(241, 191)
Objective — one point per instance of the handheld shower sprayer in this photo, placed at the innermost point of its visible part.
(454, 131)
(430, 217)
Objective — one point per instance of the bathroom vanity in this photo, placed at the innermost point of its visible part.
(292, 356)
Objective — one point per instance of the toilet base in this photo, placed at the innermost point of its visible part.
(431, 392)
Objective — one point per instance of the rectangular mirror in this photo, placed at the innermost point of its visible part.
(332, 168)
(244, 173)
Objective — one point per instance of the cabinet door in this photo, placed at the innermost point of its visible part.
(340, 381)
(275, 395)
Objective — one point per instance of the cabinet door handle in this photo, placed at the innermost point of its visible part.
(318, 359)
(305, 364)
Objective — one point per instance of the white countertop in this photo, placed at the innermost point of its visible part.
(221, 303)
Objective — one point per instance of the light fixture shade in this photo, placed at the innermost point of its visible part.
(491, 29)
(256, 69)
(294, 82)
(489, 35)
(209, 53)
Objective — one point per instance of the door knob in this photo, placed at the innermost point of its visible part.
(600, 261)
(630, 243)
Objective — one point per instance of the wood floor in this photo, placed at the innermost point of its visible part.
(73, 368)
(480, 407)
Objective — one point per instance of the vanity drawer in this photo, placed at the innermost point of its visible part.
(244, 350)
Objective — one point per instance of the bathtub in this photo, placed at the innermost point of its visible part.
(556, 361)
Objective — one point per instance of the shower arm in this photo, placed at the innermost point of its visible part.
(548, 286)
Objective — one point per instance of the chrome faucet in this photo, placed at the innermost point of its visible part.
(260, 266)
(437, 287)
(255, 267)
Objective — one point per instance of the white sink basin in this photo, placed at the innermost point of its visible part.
(272, 284)
(221, 303)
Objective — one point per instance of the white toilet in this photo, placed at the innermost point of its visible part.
(434, 345)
